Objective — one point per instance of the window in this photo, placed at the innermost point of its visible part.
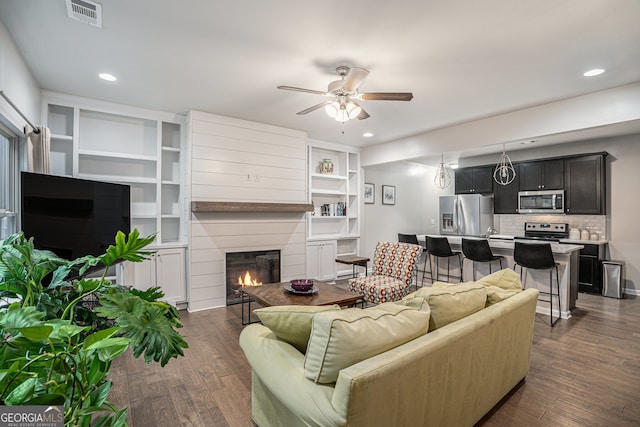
(8, 173)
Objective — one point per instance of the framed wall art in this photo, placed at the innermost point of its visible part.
(369, 193)
(388, 195)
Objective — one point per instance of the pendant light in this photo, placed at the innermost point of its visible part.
(504, 174)
(443, 175)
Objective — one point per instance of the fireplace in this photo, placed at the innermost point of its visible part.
(250, 269)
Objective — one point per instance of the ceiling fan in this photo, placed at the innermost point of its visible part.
(344, 99)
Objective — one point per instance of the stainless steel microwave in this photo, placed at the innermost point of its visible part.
(544, 202)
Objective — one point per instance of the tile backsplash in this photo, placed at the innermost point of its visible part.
(513, 225)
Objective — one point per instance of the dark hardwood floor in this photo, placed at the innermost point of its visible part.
(584, 372)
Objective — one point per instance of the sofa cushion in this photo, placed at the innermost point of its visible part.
(500, 285)
(340, 339)
(448, 303)
(292, 323)
(505, 279)
(496, 294)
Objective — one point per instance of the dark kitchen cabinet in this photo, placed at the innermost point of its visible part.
(590, 269)
(505, 197)
(474, 180)
(585, 185)
(541, 175)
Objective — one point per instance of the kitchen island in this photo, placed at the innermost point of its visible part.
(566, 255)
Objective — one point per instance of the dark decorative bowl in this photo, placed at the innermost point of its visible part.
(302, 285)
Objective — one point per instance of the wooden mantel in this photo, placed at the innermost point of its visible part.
(250, 207)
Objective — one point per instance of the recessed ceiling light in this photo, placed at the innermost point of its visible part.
(594, 72)
(367, 134)
(108, 77)
(453, 166)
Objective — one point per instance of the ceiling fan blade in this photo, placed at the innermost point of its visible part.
(363, 115)
(299, 89)
(315, 107)
(354, 78)
(386, 96)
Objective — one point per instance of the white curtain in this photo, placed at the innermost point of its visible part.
(38, 149)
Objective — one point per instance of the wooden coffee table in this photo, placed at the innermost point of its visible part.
(270, 294)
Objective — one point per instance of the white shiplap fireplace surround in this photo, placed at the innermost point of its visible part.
(232, 161)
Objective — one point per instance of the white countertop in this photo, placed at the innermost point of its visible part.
(584, 242)
(556, 248)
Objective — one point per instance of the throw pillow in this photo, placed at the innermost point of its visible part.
(340, 339)
(292, 323)
(505, 279)
(496, 294)
(451, 303)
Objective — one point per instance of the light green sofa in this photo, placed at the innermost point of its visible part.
(451, 376)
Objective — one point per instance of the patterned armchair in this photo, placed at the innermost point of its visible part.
(394, 267)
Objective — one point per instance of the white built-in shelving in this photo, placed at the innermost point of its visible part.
(114, 143)
(143, 149)
(337, 225)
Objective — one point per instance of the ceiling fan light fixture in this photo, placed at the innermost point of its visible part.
(353, 110)
(343, 112)
(332, 109)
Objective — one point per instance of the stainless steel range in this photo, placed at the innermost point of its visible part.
(544, 231)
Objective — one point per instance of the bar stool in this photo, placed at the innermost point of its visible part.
(438, 247)
(413, 239)
(538, 256)
(478, 250)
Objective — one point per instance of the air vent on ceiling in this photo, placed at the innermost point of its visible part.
(85, 11)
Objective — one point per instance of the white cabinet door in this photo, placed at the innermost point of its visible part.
(170, 274)
(321, 260)
(164, 268)
(140, 275)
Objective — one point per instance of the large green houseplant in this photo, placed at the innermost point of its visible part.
(60, 331)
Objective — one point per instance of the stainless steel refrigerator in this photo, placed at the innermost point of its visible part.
(466, 214)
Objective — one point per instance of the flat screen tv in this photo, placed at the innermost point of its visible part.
(73, 217)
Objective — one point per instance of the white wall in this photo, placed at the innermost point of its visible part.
(595, 110)
(18, 84)
(237, 160)
(416, 208)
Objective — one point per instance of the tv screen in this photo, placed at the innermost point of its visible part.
(73, 217)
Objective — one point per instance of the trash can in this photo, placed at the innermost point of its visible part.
(613, 279)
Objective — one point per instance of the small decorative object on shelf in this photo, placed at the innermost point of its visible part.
(326, 166)
(333, 209)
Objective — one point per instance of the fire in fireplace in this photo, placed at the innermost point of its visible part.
(250, 269)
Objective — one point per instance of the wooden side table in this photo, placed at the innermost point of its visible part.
(354, 261)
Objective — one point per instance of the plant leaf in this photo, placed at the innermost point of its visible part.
(127, 248)
(46, 399)
(152, 294)
(21, 392)
(107, 342)
(36, 333)
(99, 395)
(99, 336)
(152, 334)
(97, 371)
(17, 317)
(66, 331)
